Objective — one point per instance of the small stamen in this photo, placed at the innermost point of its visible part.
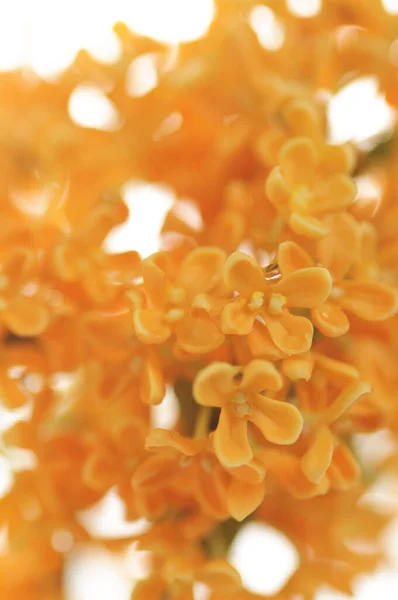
(256, 300)
(174, 315)
(239, 398)
(242, 410)
(276, 304)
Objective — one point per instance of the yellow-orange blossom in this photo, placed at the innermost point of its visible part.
(269, 311)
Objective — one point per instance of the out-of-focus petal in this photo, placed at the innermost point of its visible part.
(298, 159)
(198, 335)
(318, 457)
(26, 316)
(149, 326)
(308, 226)
(237, 318)
(371, 301)
(201, 270)
(244, 498)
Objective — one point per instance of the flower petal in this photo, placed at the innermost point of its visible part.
(298, 159)
(344, 400)
(279, 422)
(344, 472)
(154, 269)
(318, 457)
(219, 575)
(230, 439)
(205, 304)
(298, 368)
(285, 468)
(149, 326)
(308, 226)
(152, 387)
(155, 472)
(369, 300)
(292, 257)
(339, 248)
(242, 274)
(211, 491)
(214, 385)
(260, 344)
(198, 335)
(333, 194)
(305, 288)
(237, 318)
(276, 190)
(201, 270)
(252, 473)
(243, 499)
(26, 316)
(260, 375)
(164, 438)
(292, 334)
(330, 319)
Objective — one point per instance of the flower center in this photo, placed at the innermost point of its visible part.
(256, 300)
(300, 199)
(185, 461)
(207, 464)
(276, 304)
(176, 295)
(336, 293)
(241, 406)
(174, 315)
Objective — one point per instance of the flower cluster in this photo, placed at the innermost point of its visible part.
(269, 317)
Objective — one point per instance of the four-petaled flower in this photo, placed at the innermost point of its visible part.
(239, 393)
(260, 298)
(309, 183)
(170, 292)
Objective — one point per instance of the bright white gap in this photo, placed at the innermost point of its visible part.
(89, 107)
(268, 28)
(359, 112)
(142, 75)
(391, 6)
(188, 212)
(107, 519)
(172, 21)
(95, 573)
(148, 205)
(304, 8)
(166, 413)
(264, 557)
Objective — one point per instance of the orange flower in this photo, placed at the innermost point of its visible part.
(189, 467)
(238, 392)
(171, 294)
(23, 309)
(326, 453)
(366, 299)
(260, 298)
(310, 183)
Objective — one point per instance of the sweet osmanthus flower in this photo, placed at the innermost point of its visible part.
(267, 314)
